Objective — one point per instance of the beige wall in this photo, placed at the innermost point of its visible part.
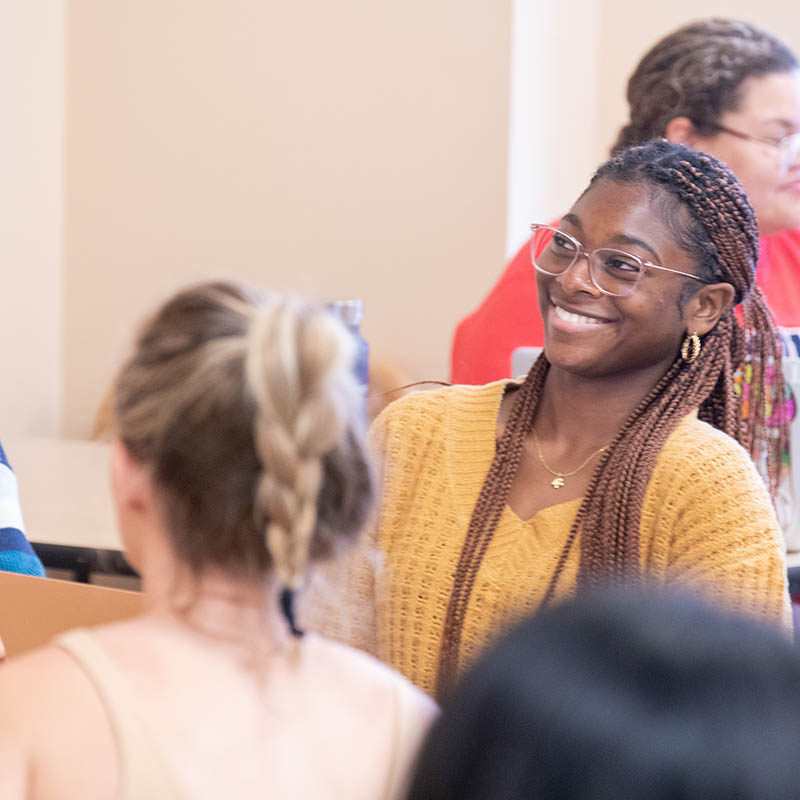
(31, 145)
(340, 149)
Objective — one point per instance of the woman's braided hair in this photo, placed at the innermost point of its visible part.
(244, 408)
(697, 72)
(707, 208)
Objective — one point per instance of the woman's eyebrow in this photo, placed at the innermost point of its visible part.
(619, 238)
(622, 238)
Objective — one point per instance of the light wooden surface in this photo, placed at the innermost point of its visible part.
(34, 610)
(64, 491)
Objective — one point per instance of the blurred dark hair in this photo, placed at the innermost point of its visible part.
(622, 695)
(697, 72)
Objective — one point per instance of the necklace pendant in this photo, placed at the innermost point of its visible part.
(557, 482)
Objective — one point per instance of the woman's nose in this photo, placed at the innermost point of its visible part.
(578, 278)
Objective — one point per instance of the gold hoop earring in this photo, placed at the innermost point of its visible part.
(692, 341)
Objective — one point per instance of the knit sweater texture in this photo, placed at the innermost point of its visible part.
(707, 525)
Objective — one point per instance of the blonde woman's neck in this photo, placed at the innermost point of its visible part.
(218, 606)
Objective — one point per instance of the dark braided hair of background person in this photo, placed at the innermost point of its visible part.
(705, 206)
(697, 72)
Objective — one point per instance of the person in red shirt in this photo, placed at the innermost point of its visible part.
(720, 86)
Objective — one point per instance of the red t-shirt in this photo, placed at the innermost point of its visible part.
(509, 316)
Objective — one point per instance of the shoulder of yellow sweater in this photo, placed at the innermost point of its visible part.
(706, 454)
(344, 665)
(429, 407)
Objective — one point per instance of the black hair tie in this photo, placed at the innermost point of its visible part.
(287, 607)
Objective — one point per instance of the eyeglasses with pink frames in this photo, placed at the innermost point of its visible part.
(614, 272)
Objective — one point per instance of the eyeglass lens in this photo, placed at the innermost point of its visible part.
(612, 271)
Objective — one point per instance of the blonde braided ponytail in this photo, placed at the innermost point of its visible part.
(298, 369)
(244, 408)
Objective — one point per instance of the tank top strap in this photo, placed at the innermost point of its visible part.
(407, 731)
(143, 772)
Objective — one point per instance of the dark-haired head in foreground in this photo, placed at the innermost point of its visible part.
(622, 696)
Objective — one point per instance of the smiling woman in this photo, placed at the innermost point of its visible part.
(622, 458)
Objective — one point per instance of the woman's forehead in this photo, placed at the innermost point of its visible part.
(612, 206)
(610, 213)
(773, 97)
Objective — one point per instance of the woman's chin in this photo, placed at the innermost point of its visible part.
(575, 360)
(784, 218)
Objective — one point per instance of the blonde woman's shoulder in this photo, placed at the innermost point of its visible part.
(50, 712)
(367, 677)
(372, 710)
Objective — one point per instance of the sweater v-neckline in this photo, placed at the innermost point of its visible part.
(488, 436)
(546, 511)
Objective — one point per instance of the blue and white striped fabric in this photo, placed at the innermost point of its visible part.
(16, 554)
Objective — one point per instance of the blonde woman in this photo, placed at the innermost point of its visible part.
(238, 460)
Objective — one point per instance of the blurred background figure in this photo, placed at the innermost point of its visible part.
(622, 696)
(238, 460)
(720, 86)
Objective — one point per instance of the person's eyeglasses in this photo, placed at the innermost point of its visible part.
(613, 272)
(788, 147)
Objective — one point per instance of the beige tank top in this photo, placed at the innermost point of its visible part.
(143, 773)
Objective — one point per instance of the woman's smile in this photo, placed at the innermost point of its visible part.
(575, 322)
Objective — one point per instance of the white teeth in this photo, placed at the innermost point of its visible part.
(568, 316)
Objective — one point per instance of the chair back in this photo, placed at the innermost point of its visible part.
(34, 610)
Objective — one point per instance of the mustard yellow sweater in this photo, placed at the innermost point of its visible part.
(707, 524)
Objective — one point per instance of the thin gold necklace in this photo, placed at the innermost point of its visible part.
(558, 481)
